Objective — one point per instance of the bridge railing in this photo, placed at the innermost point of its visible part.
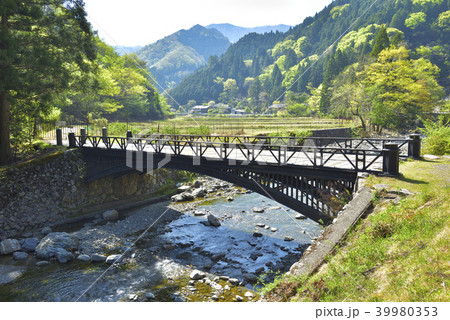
(407, 145)
(381, 156)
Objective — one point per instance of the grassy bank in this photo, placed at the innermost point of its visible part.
(400, 252)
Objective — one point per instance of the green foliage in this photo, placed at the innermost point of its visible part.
(415, 19)
(120, 89)
(444, 19)
(296, 54)
(401, 88)
(437, 140)
(43, 46)
(200, 130)
(176, 56)
(381, 42)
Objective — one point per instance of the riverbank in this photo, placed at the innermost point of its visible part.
(171, 252)
(398, 253)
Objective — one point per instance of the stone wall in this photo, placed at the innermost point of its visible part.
(47, 191)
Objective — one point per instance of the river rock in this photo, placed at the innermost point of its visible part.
(98, 257)
(197, 184)
(63, 256)
(42, 263)
(214, 221)
(187, 196)
(215, 297)
(254, 256)
(199, 213)
(10, 273)
(9, 246)
(57, 244)
(177, 198)
(46, 230)
(199, 192)
(20, 255)
(299, 216)
(288, 238)
(249, 295)
(273, 229)
(216, 286)
(258, 210)
(250, 277)
(114, 258)
(257, 234)
(110, 215)
(230, 199)
(149, 296)
(30, 244)
(83, 257)
(239, 298)
(197, 275)
(184, 188)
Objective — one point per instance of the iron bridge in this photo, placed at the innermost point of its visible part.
(314, 176)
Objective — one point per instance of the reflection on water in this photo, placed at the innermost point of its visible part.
(159, 261)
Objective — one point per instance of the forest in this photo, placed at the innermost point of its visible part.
(334, 64)
(54, 67)
(384, 63)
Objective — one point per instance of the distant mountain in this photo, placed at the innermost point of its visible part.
(173, 57)
(234, 33)
(266, 65)
(120, 49)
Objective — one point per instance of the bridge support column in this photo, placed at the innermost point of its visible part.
(104, 134)
(129, 134)
(59, 137)
(391, 159)
(414, 146)
(83, 136)
(72, 140)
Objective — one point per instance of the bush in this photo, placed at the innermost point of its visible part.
(437, 134)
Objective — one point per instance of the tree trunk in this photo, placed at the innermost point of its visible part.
(363, 124)
(5, 147)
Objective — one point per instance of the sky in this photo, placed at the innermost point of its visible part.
(141, 22)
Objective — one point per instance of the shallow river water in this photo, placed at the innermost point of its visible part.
(158, 265)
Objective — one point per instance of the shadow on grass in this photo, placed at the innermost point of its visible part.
(412, 181)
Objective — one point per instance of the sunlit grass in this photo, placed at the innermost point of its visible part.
(398, 253)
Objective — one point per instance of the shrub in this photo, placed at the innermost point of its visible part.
(437, 134)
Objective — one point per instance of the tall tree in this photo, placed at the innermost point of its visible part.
(402, 88)
(42, 44)
(381, 42)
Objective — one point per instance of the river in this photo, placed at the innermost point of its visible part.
(172, 243)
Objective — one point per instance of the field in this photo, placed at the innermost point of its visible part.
(229, 126)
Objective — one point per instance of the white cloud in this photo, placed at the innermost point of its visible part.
(140, 22)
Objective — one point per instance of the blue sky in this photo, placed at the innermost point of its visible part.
(140, 22)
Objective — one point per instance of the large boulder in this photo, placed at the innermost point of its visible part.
(214, 221)
(199, 192)
(30, 244)
(9, 246)
(110, 215)
(58, 245)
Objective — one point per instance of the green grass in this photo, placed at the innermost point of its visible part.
(398, 253)
(237, 126)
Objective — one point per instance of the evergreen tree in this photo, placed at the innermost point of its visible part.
(43, 43)
(276, 81)
(291, 59)
(381, 42)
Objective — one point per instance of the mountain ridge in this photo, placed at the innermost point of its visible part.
(177, 55)
(234, 33)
